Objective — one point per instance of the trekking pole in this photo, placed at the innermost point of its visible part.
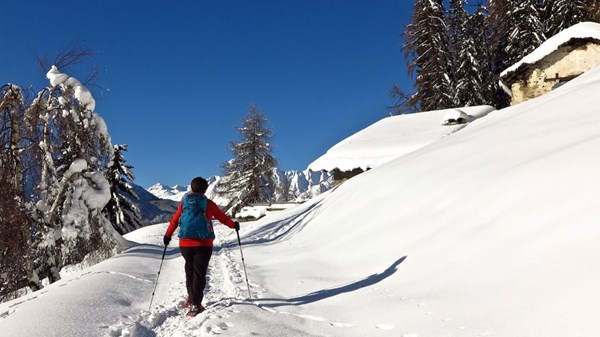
(243, 262)
(157, 276)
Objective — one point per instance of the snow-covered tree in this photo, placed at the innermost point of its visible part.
(562, 14)
(469, 64)
(16, 257)
(248, 177)
(481, 37)
(499, 25)
(594, 11)
(52, 164)
(426, 46)
(527, 31)
(122, 213)
(79, 149)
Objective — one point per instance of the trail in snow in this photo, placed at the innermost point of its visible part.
(225, 285)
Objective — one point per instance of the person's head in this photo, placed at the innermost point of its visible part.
(199, 185)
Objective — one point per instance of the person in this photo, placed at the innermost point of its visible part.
(196, 235)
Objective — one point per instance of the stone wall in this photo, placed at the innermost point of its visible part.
(567, 62)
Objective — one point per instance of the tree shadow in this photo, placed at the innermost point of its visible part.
(328, 293)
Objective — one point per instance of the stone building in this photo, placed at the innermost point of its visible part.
(559, 59)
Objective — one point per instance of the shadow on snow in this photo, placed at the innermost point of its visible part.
(328, 293)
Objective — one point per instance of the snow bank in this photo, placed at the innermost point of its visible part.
(252, 212)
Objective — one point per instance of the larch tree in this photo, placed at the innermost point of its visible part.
(248, 177)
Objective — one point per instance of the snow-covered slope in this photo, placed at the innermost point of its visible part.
(491, 231)
(392, 137)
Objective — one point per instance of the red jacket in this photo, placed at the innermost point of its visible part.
(212, 210)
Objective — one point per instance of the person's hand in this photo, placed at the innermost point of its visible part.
(237, 226)
(166, 240)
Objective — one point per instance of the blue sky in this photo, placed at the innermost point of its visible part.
(178, 77)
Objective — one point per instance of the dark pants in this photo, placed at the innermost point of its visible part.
(196, 266)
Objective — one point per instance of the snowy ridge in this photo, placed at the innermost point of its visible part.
(162, 191)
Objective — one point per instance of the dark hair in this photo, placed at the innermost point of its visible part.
(199, 185)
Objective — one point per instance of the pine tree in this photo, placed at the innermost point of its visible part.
(481, 37)
(593, 11)
(427, 49)
(562, 14)
(468, 60)
(499, 26)
(122, 213)
(248, 177)
(527, 31)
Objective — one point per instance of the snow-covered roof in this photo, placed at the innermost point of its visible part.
(583, 30)
(392, 137)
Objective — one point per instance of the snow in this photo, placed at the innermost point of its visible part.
(81, 93)
(390, 138)
(77, 166)
(252, 212)
(489, 231)
(56, 77)
(581, 30)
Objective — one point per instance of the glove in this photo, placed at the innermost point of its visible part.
(237, 226)
(166, 240)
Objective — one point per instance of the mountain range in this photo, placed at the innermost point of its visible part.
(159, 202)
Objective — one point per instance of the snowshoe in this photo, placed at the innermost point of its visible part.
(195, 310)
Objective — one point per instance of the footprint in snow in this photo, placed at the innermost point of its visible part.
(341, 325)
(7, 313)
(384, 326)
(218, 328)
(311, 317)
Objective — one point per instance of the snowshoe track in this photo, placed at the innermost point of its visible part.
(225, 286)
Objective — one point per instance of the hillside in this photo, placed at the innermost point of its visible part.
(393, 137)
(153, 210)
